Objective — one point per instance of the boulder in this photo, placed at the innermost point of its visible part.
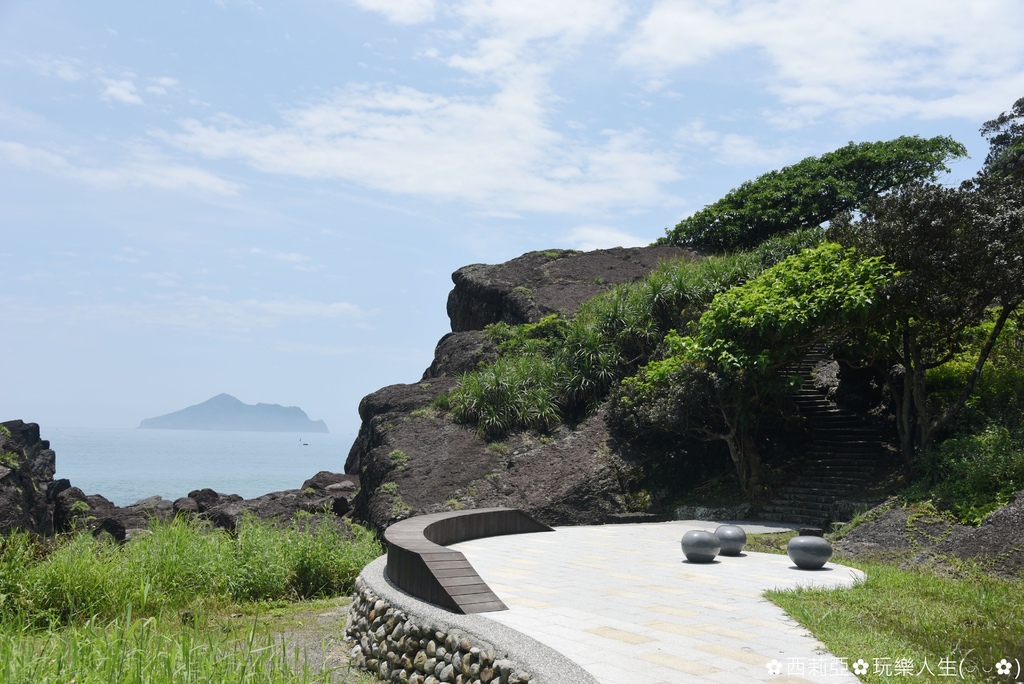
(186, 506)
(328, 481)
(207, 499)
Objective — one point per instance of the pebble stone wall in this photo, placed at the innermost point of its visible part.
(399, 647)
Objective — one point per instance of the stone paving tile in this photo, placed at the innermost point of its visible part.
(669, 610)
(620, 635)
(621, 601)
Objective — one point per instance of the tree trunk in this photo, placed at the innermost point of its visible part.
(930, 428)
(743, 450)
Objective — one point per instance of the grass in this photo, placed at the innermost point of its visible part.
(970, 620)
(768, 543)
(159, 609)
(218, 647)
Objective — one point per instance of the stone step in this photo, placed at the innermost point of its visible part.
(844, 452)
(823, 502)
(814, 518)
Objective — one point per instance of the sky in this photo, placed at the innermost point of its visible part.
(268, 198)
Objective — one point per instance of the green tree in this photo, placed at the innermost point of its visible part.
(813, 191)
(723, 381)
(960, 253)
(1005, 135)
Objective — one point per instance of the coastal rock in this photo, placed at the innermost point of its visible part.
(412, 459)
(186, 506)
(283, 505)
(537, 284)
(207, 499)
(459, 352)
(326, 481)
(22, 499)
(42, 462)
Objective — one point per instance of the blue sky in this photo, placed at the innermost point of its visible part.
(268, 199)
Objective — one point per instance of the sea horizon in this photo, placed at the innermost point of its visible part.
(128, 464)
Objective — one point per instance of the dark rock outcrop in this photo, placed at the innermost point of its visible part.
(279, 506)
(41, 460)
(537, 284)
(23, 503)
(411, 459)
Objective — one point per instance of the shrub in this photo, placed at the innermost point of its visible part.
(399, 458)
(561, 368)
(979, 472)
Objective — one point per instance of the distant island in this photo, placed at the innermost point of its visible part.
(224, 412)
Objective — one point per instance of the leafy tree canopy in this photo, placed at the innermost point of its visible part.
(723, 380)
(1005, 135)
(961, 254)
(813, 191)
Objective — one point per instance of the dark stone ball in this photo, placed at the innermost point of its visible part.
(732, 538)
(700, 546)
(809, 553)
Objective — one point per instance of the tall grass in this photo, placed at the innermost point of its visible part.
(147, 651)
(179, 566)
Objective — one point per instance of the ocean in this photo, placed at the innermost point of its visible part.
(126, 465)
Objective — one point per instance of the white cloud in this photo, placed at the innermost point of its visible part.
(120, 90)
(160, 85)
(145, 169)
(865, 59)
(209, 314)
(734, 149)
(401, 11)
(300, 262)
(592, 237)
(496, 151)
(64, 69)
(517, 33)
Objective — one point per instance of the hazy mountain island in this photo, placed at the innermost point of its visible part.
(224, 412)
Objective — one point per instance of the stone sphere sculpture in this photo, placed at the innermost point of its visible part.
(700, 546)
(732, 539)
(808, 553)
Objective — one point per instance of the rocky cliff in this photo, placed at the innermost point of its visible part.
(412, 459)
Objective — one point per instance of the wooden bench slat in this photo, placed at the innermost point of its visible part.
(419, 563)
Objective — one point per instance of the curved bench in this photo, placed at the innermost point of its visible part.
(419, 563)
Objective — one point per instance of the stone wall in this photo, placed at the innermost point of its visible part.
(399, 647)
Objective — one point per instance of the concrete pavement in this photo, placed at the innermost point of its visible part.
(622, 602)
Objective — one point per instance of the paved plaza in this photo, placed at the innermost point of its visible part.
(623, 603)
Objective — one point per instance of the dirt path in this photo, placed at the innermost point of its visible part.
(315, 634)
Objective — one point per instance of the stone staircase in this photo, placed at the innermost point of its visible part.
(844, 453)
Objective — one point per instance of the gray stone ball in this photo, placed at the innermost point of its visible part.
(732, 538)
(809, 553)
(700, 546)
